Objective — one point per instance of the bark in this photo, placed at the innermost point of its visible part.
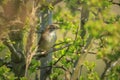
(45, 60)
(79, 62)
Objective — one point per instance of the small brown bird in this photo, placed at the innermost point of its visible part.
(48, 38)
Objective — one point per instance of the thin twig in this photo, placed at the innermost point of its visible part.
(61, 67)
(61, 56)
(53, 66)
(92, 52)
(60, 43)
(76, 34)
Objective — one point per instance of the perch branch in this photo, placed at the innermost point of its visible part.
(39, 55)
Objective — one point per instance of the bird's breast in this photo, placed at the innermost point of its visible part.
(51, 37)
(47, 40)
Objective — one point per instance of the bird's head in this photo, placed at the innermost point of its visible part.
(52, 27)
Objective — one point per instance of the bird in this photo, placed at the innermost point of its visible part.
(48, 38)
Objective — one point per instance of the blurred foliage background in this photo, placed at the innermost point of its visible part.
(87, 47)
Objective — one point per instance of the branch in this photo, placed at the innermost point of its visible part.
(9, 45)
(39, 55)
(76, 71)
(114, 3)
(61, 67)
(52, 66)
(59, 59)
(92, 52)
(80, 61)
(112, 65)
(106, 68)
(76, 34)
(61, 56)
(109, 66)
(60, 43)
(84, 18)
(16, 54)
(3, 62)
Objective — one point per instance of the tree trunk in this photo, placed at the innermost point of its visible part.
(45, 60)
